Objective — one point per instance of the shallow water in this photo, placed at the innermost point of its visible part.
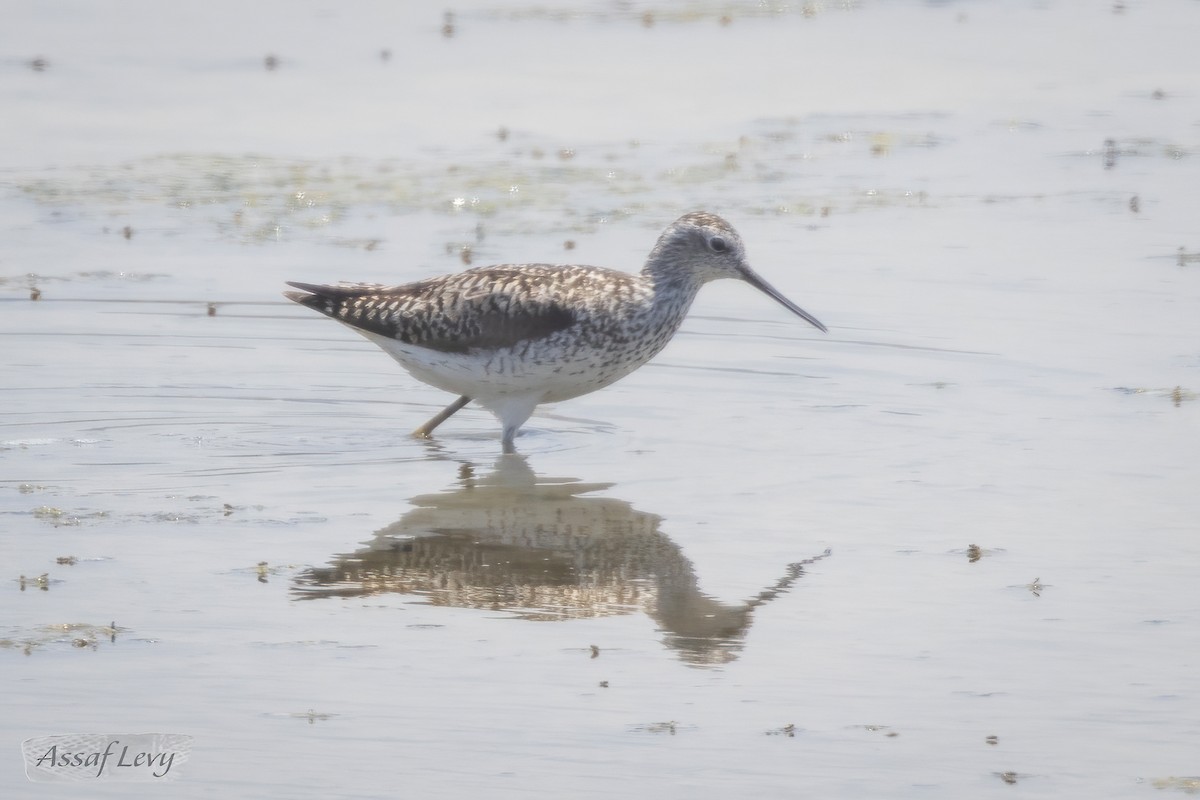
(770, 561)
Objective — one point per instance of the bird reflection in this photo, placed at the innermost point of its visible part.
(539, 548)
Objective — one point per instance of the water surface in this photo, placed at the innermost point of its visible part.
(948, 547)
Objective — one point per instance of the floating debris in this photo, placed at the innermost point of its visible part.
(76, 635)
(595, 651)
(55, 515)
(1110, 153)
(788, 730)
(41, 581)
(1178, 395)
(310, 715)
(884, 729)
(1188, 785)
(974, 552)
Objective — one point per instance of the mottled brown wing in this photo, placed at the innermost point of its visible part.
(491, 307)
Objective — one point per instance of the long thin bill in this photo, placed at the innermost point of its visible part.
(751, 277)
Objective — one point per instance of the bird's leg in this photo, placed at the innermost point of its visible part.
(426, 430)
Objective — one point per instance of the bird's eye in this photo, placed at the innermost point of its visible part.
(717, 244)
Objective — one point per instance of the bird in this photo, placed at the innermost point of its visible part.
(514, 336)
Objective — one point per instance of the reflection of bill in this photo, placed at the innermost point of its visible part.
(125, 757)
(534, 547)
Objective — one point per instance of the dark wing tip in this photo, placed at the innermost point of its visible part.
(341, 290)
(325, 299)
(314, 296)
(307, 294)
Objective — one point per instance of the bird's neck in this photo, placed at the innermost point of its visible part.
(673, 289)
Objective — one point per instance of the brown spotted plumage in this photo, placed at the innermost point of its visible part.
(517, 335)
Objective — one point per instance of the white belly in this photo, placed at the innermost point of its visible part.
(546, 371)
